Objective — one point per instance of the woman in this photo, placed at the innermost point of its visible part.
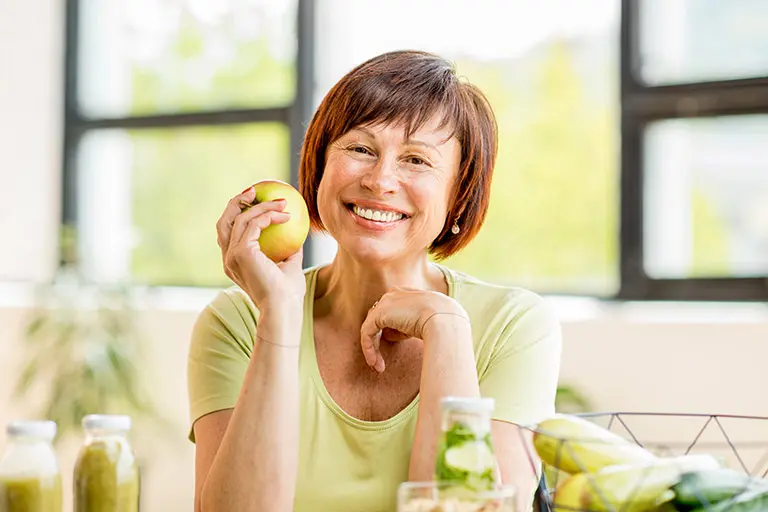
(319, 390)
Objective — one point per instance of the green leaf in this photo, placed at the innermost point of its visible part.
(25, 380)
(84, 360)
(457, 434)
(36, 327)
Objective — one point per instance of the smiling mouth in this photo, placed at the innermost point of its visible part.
(383, 216)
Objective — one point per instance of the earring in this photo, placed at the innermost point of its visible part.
(455, 229)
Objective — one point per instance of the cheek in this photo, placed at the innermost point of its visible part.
(338, 171)
(336, 176)
(432, 197)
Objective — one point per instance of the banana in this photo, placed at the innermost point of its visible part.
(629, 488)
(568, 495)
(575, 445)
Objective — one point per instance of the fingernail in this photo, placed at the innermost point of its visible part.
(246, 190)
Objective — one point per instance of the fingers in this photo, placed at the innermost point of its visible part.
(256, 225)
(244, 219)
(239, 229)
(243, 253)
(393, 335)
(232, 210)
(370, 340)
(293, 262)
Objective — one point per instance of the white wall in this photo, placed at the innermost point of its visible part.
(706, 358)
(31, 56)
(623, 364)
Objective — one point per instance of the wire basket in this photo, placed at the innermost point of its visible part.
(739, 443)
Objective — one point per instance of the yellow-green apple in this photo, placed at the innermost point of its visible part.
(280, 241)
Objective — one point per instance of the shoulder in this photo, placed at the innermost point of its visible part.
(508, 314)
(485, 298)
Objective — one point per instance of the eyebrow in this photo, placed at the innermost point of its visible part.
(414, 142)
(417, 142)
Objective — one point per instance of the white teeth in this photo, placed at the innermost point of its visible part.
(377, 215)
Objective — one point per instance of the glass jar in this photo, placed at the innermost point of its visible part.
(106, 475)
(465, 454)
(30, 480)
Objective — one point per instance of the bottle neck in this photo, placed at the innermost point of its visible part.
(478, 422)
(28, 455)
(21, 439)
(96, 434)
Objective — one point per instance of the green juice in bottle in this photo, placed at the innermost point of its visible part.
(106, 477)
(30, 480)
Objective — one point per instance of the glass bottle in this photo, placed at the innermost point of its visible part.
(465, 454)
(30, 479)
(106, 477)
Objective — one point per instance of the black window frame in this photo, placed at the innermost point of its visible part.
(294, 116)
(642, 104)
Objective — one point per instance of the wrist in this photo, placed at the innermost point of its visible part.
(282, 310)
(441, 323)
(280, 321)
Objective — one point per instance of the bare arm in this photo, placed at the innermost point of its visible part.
(209, 431)
(247, 457)
(512, 454)
(448, 370)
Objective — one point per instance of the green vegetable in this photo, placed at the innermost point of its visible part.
(755, 500)
(629, 488)
(705, 488)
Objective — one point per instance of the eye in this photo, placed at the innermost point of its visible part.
(416, 160)
(360, 149)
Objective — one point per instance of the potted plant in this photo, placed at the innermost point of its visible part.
(82, 348)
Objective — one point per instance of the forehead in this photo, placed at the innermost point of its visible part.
(435, 131)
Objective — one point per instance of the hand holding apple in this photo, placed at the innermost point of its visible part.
(261, 244)
(279, 241)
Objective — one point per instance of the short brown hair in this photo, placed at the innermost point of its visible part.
(410, 87)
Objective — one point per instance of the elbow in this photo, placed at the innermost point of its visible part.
(207, 501)
(211, 500)
(199, 499)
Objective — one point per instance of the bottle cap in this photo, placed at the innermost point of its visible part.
(117, 422)
(463, 404)
(44, 429)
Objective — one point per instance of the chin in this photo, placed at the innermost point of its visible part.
(372, 252)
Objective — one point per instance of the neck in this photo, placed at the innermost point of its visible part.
(347, 288)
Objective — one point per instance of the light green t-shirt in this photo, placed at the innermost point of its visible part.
(350, 465)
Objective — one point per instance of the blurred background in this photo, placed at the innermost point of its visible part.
(631, 188)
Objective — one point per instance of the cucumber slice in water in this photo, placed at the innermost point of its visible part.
(473, 456)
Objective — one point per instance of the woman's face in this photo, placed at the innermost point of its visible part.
(383, 197)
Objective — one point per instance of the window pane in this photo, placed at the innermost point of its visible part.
(161, 56)
(553, 219)
(151, 198)
(702, 40)
(706, 197)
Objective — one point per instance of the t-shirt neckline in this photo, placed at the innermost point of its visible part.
(325, 396)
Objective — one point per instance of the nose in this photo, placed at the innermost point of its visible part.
(382, 178)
